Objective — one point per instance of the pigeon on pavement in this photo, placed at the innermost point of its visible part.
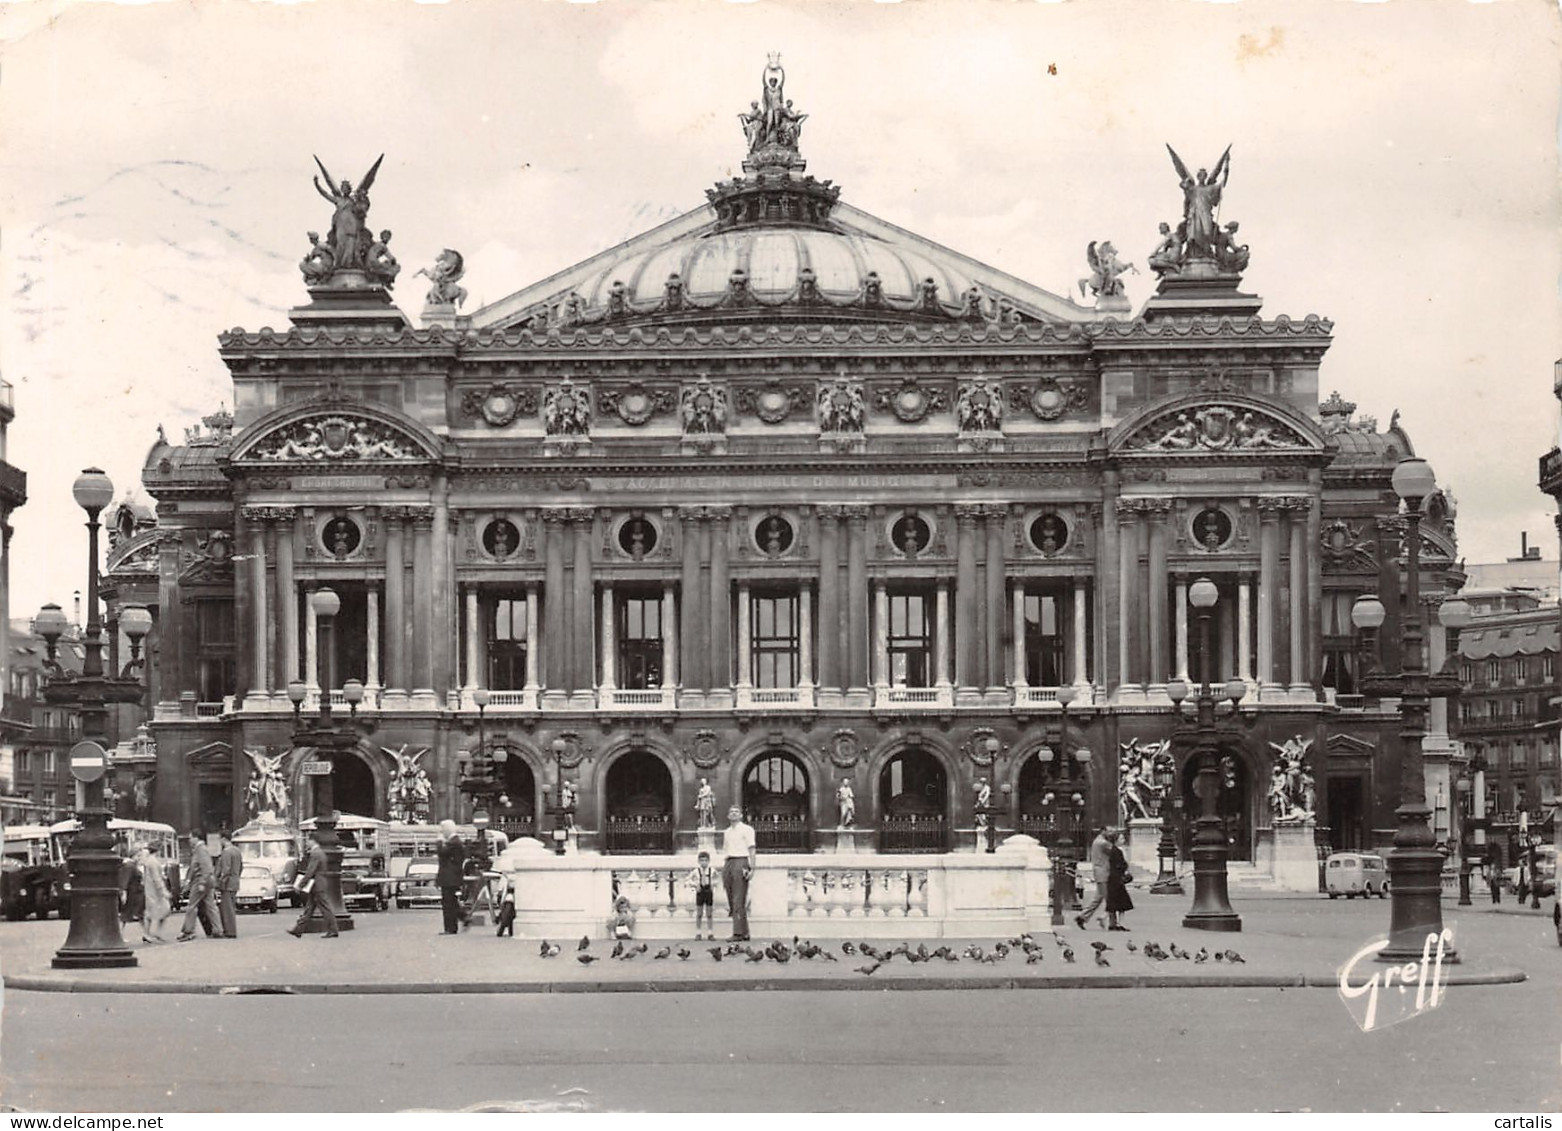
(542, 951)
(1068, 954)
(585, 959)
(1233, 956)
(1201, 956)
(618, 949)
(847, 948)
(554, 950)
(1101, 959)
(869, 968)
(1098, 947)
(715, 952)
(1131, 947)
(585, 942)
(665, 952)
(683, 954)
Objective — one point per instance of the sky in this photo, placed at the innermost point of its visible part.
(1394, 169)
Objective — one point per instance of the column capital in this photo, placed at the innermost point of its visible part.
(555, 516)
(718, 514)
(269, 514)
(1301, 503)
(1129, 509)
(422, 518)
(966, 514)
(857, 515)
(1269, 507)
(691, 514)
(395, 515)
(581, 516)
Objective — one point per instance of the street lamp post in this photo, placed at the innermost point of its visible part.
(560, 809)
(990, 812)
(1211, 909)
(1472, 839)
(94, 940)
(1065, 804)
(480, 783)
(1166, 882)
(326, 736)
(1415, 866)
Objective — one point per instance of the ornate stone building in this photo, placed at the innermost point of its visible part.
(777, 494)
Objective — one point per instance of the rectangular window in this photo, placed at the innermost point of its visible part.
(1466, 673)
(216, 667)
(911, 638)
(214, 621)
(215, 677)
(507, 644)
(1043, 640)
(1493, 672)
(1548, 668)
(639, 618)
(775, 639)
(1520, 673)
(1520, 755)
(1548, 754)
(48, 761)
(24, 760)
(1339, 667)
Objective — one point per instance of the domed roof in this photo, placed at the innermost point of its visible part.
(779, 243)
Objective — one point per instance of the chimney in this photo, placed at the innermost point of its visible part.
(78, 610)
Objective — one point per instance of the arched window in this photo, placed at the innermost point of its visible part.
(775, 802)
(913, 803)
(639, 805)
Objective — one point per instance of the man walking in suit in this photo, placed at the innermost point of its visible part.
(230, 866)
(201, 885)
(1101, 868)
(313, 881)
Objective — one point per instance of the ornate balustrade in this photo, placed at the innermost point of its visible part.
(955, 895)
(775, 698)
(914, 698)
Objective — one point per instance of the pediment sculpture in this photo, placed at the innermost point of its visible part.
(335, 438)
(1215, 428)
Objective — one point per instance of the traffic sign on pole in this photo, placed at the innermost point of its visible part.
(88, 761)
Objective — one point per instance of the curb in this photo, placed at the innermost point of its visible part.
(49, 983)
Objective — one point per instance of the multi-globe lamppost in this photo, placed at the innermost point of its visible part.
(94, 940)
(1211, 909)
(1415, 866)
(483, 779)
(1066, 804)
(325, 736)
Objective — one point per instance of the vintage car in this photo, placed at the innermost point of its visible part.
(1355, 873)
(366, 885)
(272, 844)
(257, 889)
(32, 873)
(1518, 877)
(419, 887)
(129, 838)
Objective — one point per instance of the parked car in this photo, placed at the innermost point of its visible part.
(129, 838)
(272, 844)
(257, 889)
(419, 887)
(1355, 873)
(1517, 878)
(32, 873)
(366, 885)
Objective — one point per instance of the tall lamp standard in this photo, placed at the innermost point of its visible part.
(1211, 909)
(561, 808)
(1473, 832)
(481, 782)
(1065, 800)
(1415, 867)
(327, 737)
(94, 940)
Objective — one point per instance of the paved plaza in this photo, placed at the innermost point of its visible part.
(396, 1017)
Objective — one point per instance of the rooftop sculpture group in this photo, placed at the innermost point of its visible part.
(1198, 245)
(772, 123)
(350, 245)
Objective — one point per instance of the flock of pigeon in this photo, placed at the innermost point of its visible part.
(876, 957)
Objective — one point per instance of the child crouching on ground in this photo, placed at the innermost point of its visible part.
(622, 923)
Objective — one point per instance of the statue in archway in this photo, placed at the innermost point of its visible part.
(410, 790)
(705, 805)
(267, 788)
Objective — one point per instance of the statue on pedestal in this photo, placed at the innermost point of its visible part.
(705, 805)
(1292, 795)
(349, 239)
(984, 800)
(1200, 201)
(448, 269)
(847, 801)
(1105, 269)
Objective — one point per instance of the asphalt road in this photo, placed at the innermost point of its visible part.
(1487, 1048)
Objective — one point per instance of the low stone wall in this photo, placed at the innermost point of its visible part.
(840, 895)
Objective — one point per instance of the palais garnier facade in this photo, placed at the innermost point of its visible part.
(775, 495)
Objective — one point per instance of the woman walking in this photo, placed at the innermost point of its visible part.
(1117, 899)
(157, 906)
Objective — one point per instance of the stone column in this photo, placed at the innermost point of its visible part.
(857, 599)
(1081, 614)
(311, 644)
(1300, 677)
(583, 665)
(691, 534)
(745, 639)
(395, 604)
(243, 619)
(1108, 596)
(533, 656)
(967, 658)
(880, 635)
(805, 635)
(993, 520)
(1245, 629)
(941, 638)
(173, 670)
(669, 638)
(555, 652)
(1161, 508)
(1017, 612)
(273, 607)
(609, 639)
(1315, 582)
(473, 630)
(720, 600)
(372, 644)
(258, 520)
(1127, 624)
(1182, 628)
(1268, 580)
(423, 601)
(829, 597)
(287, 598)
(444, 611)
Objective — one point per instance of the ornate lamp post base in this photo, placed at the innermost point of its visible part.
(1211, 909)
(94, 941)
(330, 881)
(1416, 910)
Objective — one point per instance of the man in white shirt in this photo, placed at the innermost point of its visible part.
(737, 845)
(1101, 869)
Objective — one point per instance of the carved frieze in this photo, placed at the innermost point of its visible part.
(566, 409)
(340, 437)
(499, 404)
(840, 406)
(979, 406)
(1215, 428)
(1049, 398)
(635, 403)
(773, 401)
(909, 399)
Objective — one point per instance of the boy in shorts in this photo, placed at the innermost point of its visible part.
(704, 880)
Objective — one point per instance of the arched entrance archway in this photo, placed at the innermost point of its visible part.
(913, 803)
(1050, 803)
(775, 802)
(638, 809)
(517, 809)
(352, 786)
(1233, 804)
